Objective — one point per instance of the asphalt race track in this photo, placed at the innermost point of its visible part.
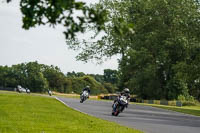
(145, 118)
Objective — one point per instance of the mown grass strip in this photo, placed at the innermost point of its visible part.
(22, 113)
(193, 110)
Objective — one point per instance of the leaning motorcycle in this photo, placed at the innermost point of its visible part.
(119, 105)
(83, 96)
(50, 93)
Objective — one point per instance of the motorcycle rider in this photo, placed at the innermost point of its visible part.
(49, 92)
(126, 93)
(87, 88)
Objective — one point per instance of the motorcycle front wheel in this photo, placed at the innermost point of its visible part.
(82, 100)
(116, 111)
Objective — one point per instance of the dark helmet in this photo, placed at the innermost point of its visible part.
(126, 90)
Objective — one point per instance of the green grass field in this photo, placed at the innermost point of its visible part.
(23, 113)
(193, 110)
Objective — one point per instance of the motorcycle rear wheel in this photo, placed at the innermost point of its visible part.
(116, 113)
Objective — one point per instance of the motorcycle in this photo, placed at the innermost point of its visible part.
(50, 93)
(84, 96)
(119, 105)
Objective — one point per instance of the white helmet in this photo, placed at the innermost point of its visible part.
(19, 86)
(88, 86)
(126, 90)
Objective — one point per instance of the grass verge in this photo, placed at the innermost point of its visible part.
(22, 113)
(193, 110)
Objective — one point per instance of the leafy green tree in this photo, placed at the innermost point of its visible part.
(154, 38)
(7, 78)
(74, 74)
(71, 74)
(35, 79)
(2, 76)
(67, 85)
(80, 74)
(54, 12)
(110, 87)
(20, 73)
(114, 41)
(10, 79)
(98, 77)
(165, 36)
(111, 76)
(54, 77)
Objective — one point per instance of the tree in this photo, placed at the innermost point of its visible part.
(157, 41)
(110, 87)
(68, 85)
(7, 77)
(96, 87)
(98, 77)
(20, 74)
(113, 42)
(54, 12)
(71, 74)
(35, 79)
(111, 76)
(160, 56)
(54, 77)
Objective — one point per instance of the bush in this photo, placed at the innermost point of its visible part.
(77, 84)
(181, 98)
(96, 87)
(187, 100)
(110, 87)
(188, 103)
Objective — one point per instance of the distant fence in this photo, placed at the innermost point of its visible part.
(7, 89)
(160, 102)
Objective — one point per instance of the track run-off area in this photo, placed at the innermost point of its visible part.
(145, 118)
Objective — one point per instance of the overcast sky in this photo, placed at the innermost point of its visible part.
(43, 44)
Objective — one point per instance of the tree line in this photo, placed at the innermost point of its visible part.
(39, 78)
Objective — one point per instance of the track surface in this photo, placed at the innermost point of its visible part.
(145, 118)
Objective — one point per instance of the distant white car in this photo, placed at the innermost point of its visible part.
(20, 89)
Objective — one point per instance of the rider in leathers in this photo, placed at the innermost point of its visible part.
(87, 88)
(126, 93)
